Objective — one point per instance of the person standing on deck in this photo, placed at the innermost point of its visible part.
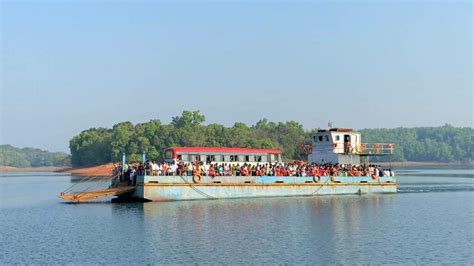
(190, 169)
(180, 168)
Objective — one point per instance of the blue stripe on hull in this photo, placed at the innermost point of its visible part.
(177, 188)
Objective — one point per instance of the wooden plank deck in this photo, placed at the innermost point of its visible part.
(95, 194)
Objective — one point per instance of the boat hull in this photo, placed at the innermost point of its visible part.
(173, 188)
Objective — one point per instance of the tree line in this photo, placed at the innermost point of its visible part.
(30, 157)
(101, 145)
(439, 144)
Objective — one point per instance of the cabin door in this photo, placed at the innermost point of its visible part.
(347, 143)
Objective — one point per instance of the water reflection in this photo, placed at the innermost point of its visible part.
(317, 226)
(402, 228)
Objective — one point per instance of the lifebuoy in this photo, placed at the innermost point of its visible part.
(316, 178)
(196, 178)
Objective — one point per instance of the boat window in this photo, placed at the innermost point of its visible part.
(184, 157)
(217, 158)
(338, 137)
(272, 158)
(320, 138)
(234, 158)
(247, 158)
(327, 138)
(251, 158)
(226, 158)
(263, 159)
(258, 158)
(179, 157)
(314, 138)
(193, 157)
(169, 154)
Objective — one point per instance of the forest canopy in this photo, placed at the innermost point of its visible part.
(101, 145)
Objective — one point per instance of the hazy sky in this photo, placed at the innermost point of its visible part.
(66, 67)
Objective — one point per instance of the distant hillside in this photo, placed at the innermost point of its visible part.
(30, 157)
(97, 146)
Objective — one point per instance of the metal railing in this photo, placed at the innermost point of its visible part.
(369, 149)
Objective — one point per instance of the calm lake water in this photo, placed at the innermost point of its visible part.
(430, 220)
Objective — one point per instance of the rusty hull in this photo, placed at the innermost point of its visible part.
(172, 188)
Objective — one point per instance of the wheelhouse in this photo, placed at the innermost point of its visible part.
(222, 155)
(344, 146)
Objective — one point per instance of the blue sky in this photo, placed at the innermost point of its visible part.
(69, 66)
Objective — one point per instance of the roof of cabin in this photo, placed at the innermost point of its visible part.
(224, 150)
(336, 130)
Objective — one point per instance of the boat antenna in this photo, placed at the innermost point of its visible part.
(329, 124)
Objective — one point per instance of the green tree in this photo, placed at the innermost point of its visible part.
(121, 137)
(188, 118)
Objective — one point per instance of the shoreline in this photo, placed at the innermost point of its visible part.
(46, 169)
(426, 164)
(98, 170)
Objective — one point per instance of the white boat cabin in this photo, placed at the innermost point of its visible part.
(344, 146)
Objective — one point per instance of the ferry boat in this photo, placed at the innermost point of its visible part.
(334, 146)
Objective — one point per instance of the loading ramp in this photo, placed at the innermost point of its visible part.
(93, 187)
(96, 194)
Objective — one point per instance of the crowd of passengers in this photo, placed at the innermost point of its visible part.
(296, 169)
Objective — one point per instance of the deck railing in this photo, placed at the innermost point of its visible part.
(370, 149)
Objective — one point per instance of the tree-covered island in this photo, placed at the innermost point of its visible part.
(102, 145)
